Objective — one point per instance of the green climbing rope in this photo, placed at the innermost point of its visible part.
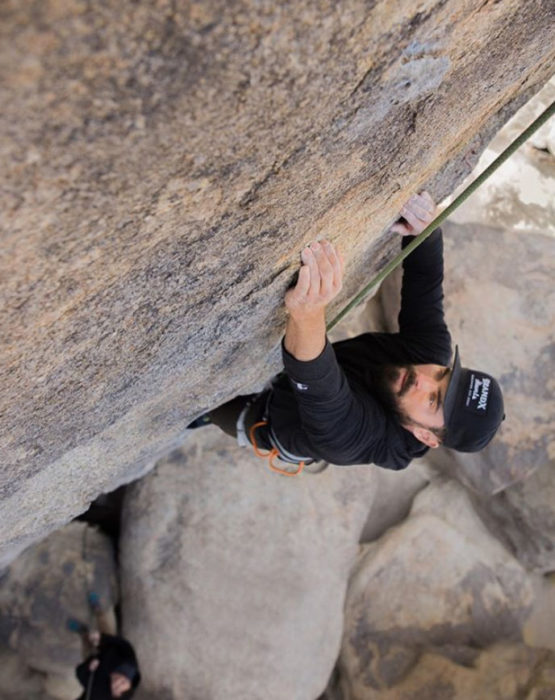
(398, 259)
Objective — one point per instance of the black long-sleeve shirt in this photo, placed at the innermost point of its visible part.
(327, 409)
(112, 653)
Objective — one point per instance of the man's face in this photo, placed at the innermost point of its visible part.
(419, 392)
(119, 684)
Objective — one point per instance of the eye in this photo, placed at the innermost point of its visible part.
(432, 400)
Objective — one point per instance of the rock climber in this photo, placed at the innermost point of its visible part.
(110, 668)
(381, 398)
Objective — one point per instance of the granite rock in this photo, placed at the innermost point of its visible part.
(234, 577)
(438, 583)
(502, 672)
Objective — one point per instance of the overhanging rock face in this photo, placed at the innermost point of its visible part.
(164, 163)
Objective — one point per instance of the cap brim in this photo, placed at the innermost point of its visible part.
(451, 394)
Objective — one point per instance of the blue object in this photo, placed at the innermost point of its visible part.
(74, 625)
(200, 422)
(94, 601)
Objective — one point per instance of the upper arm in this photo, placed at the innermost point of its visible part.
(123, 647)
(82, 672)
(341, 426)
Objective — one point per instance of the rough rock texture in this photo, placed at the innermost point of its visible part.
(163, 163)
(462, 592)
(47, 584)
(539, 630)
(523, 517)
(504, 672)
(233, 577)
(17, 681)
(519, 197)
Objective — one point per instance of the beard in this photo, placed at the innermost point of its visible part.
(383, 378)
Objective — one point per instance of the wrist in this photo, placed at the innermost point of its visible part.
(306, 318)
(305, 336)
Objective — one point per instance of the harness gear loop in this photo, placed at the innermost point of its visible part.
(272, 454)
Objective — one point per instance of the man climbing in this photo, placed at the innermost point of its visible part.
(110, 668)
(381, 398)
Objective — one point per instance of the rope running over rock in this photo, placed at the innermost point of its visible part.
(398, 259)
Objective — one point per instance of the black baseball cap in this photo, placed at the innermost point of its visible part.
(473, 408)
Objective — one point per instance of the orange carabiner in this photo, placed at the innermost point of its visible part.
(272, 453)
(284, 472)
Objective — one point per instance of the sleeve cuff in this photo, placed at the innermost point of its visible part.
(434, 235)
(309, 370)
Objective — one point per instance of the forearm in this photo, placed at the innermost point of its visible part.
(318, 283)
(305, 337)
(422, 287)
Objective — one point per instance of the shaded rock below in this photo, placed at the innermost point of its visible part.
(503, 672)
(395, 492)
(47, 584)
(17, 680)
(523, 517)
(233, 577)
(438, 582)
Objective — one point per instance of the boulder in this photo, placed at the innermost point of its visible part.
(499, 308)
(45, 586)
(234, 577)
(395, 493)
(438, 583)
(502, 672)
(17, 680)
(162, 165)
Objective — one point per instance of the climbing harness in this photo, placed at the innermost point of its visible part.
(472, 187)
(277, 450)
(271, 454)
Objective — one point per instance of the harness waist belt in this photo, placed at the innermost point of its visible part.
(284, 454)
(256, 411)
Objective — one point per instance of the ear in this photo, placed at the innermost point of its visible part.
(425, 436)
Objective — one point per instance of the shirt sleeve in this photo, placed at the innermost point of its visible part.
(124, 649)
(342, 428)
(82, 671)
(422, 324)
